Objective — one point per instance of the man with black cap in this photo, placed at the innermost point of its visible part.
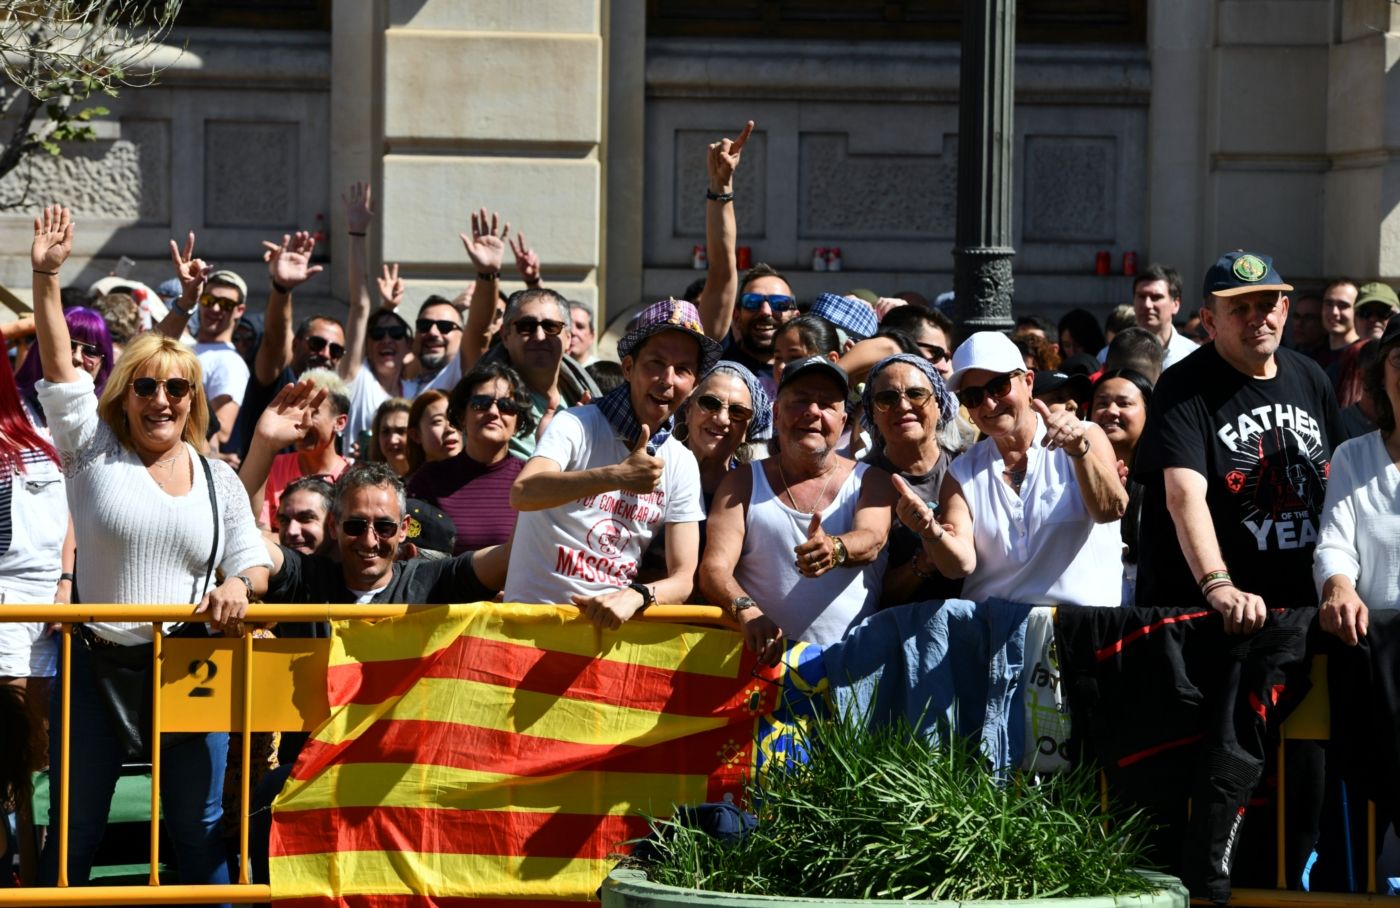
(795, 544)
(1235, 458)
(606, 478)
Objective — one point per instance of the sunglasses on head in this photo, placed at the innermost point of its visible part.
(778, 302)
(933, 353)
(484, 402)
(379, 332)
(737, 412)
(175, 388)
(355, 527)
(443, 326)
(526, 326)
(889, 398)
(210, 301)
(89, 353)
(996, 389)
(317, 344)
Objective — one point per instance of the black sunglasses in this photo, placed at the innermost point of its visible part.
(737, 412)
(175, 388)
(88, 351)
(443, 326)
(889, 398)
(484, 402)
(933, 353)
(384, 528)
(526, 326)
(996, 388)
(778, 302)
(379, 332)
(316, 344)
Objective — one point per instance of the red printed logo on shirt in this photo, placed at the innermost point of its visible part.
(609, 537)
(1234, 480)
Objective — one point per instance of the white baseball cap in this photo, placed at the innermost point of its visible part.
(990, 350)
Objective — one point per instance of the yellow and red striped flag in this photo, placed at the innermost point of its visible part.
(499, 754)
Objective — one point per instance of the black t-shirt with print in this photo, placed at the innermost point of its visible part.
(1265, 448)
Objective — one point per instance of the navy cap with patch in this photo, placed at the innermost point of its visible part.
(1243, 272)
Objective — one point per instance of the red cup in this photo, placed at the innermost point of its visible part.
(745, 257)
(1103, 263)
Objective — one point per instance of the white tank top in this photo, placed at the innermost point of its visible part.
(811, 609)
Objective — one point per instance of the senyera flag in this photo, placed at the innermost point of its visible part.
(501, 754)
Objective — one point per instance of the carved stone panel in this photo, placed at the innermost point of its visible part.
(875, 196)
(692, 179)
(126, 178)
(250, 174)
(1069, 188)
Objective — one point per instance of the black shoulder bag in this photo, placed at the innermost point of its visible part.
(125, 682)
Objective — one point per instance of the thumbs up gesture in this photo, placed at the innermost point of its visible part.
(815, 556)
(640, 472)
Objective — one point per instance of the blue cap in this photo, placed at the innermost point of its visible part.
(1243, 272)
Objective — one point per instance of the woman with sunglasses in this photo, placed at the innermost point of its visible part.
(141, 493)
(906, 405)
(91, 344)
(728, 411)
(1030, 512)
(387, 439)
(490, 406)
(432, 436)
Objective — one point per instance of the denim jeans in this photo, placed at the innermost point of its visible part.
(191, 787)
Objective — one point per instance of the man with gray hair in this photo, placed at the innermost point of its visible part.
(581, 341)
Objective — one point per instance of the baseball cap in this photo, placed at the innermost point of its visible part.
(849, 314)
(816, 365)
(233, 280)
(990, 350)
(1242, 272)
(1047, 382)
(1391, 333)
(428, 528)
(670, 315)
(1376, 292)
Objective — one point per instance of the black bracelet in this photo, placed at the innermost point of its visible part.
(285, 291)
(648, 598)
(719, 196)
(356, 232)
(488, 275)
(67, 576)
(50, 273)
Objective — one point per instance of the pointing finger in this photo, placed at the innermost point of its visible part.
(743, 137)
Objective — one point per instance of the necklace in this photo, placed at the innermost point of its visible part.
(820, 495)
(1017, 477)
(170, 473)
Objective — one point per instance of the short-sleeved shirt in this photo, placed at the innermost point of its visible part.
(476, 496)
(225, 372)
(1264, 446)
(593, 545)
(366, 394)
(286, 469)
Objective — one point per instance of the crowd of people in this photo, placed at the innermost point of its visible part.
(800, 464)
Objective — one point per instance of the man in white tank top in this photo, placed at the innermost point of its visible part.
(795, 543)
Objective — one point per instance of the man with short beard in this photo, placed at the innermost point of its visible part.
(437, 337)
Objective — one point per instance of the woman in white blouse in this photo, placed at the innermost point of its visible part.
(153, 517)
(1357, 562)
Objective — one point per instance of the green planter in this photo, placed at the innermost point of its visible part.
(632, 889)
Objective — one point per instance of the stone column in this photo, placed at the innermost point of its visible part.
(982, 255)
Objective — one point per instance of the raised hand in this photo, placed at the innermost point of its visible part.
(359, 208)
(815, 556)
(289, 263)
(53, 239)
(723, 160)
(390, 287)
(527, 261)
(1062, 430)
(190, 271)
(487, 244)
(640, 472)
(288, 418)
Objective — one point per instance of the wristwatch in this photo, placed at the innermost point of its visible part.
(738, 604)
(838, 552)
(247, 583)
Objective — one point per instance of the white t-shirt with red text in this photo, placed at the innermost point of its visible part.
(593, 545)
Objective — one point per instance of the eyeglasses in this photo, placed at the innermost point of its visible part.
(778, 302)
(316, 344)
(526, 326)
(210, 301)
(443, 326)
(384, 528)
(484, 402)
(89, 353)
(933, 353)
(175, 388)
(379, 332)
(996, 389)
(737, 412)
(889, 398)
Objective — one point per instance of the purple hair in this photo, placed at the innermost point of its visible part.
(84, 325)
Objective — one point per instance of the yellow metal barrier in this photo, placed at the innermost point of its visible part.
(206, 685)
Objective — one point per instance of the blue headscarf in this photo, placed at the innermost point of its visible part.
(761, 425)
(947, 407)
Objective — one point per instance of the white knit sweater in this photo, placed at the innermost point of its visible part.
(137, 544)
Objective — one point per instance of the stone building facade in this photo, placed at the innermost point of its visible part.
(1171, 129)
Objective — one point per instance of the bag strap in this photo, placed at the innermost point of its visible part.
(214, 508)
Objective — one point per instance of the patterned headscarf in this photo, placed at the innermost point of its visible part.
(947, 406)
(761, 426)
